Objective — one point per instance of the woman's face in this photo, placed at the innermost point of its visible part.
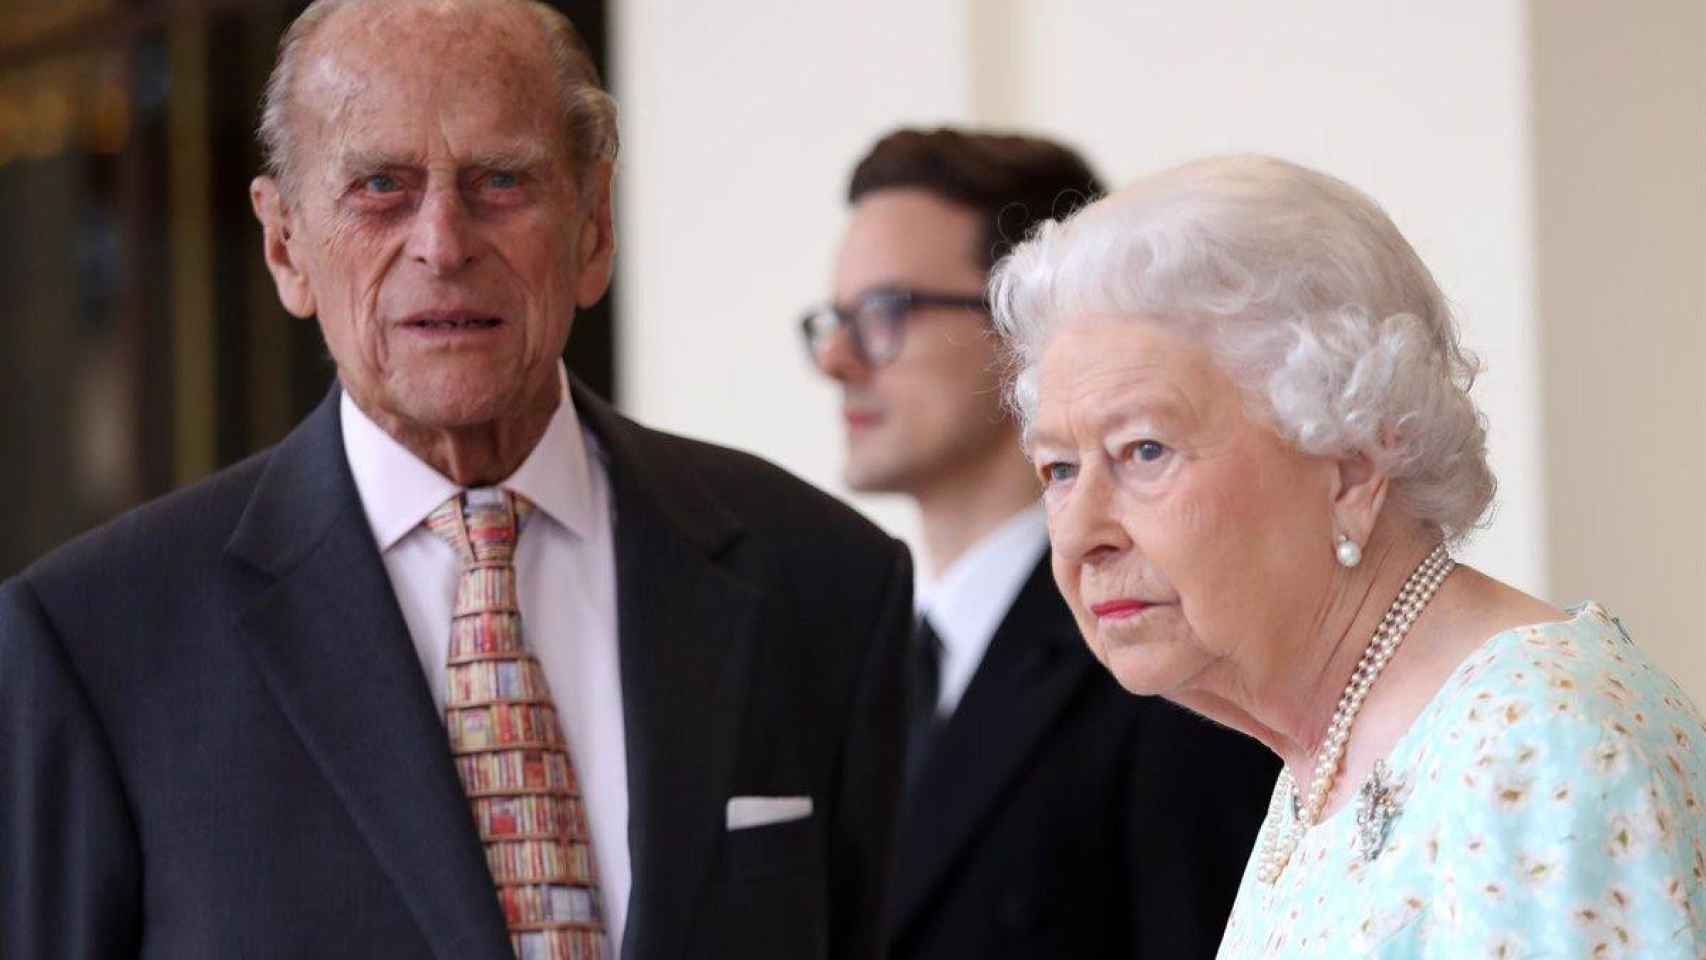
(1194, 545)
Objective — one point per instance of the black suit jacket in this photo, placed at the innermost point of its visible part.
(1058, 816)
(216, 739)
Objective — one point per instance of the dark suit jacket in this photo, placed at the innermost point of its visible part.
(216, 739)
(1058, 816)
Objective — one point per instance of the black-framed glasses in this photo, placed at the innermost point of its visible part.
(876, 321)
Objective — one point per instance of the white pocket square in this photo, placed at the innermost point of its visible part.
(744, 813)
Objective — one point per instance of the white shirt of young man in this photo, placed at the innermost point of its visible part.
(566, 580)
(969, 600)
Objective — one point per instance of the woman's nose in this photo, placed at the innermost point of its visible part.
(1084, 526)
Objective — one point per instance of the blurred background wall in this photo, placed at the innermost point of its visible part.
(1548, 159)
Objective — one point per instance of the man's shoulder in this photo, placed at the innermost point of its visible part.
(765, 499)
(180, 530)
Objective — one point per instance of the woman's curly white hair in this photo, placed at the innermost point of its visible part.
(1308, 297)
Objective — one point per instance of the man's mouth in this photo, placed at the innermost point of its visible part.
(452, 320)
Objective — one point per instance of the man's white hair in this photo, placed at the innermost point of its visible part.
(1306, 294)
(588, 111)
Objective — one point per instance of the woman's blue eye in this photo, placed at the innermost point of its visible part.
(1149, 451)
(1058, 472)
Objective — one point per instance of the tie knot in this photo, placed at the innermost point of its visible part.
(481, 525)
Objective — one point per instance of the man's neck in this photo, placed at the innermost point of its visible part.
(956, 515)
(476, 455)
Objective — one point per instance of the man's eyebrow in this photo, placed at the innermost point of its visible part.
(518, 157)
(365, 161)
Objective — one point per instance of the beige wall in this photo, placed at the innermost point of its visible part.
(1521, 154)
(1619, 100)
(741, 121)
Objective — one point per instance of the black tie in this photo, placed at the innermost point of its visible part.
(923, 688)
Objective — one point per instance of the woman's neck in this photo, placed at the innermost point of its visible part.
(1304, 712)
(1291, 714)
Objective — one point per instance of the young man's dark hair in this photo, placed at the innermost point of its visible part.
(1013, 182)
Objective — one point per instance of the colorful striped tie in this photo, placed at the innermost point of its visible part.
(507, 743)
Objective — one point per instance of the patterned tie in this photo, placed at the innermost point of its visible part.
(508, 746)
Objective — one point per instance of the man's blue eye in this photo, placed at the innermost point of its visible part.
(382, 183)
(1058, 472)
(503, 181)
(1149, 451)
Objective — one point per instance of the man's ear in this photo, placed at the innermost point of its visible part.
(595, 248)
(1359, 492)
(276, 239)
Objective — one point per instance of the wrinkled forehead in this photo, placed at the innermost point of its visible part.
(442, 30)
(1101, 372)
(393, 76)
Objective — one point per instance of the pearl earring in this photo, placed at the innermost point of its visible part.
(1348, 552)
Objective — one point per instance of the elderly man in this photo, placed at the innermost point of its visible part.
(1048, 812)
(469, 666)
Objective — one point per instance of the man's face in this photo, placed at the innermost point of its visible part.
(437, 227)
(934, 411)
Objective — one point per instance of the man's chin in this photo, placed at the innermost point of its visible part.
(435, 410)
(462, 398)
(873, 478)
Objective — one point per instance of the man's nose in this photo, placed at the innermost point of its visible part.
(840, 358)
(1085, 526)
(442, 238)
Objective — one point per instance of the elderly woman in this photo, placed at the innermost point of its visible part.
(1246, 400)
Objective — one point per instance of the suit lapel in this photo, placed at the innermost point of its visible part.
(686, 628)
(331, 644)
(1028, 675)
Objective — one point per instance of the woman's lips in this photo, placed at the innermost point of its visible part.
(1119, 609)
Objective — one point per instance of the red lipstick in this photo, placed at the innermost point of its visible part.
(1119, 609)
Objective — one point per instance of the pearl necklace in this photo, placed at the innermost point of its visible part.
(1288, 822)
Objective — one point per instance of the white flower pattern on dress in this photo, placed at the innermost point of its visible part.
(1552, 807)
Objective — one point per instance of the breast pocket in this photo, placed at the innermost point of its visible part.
(789, 848)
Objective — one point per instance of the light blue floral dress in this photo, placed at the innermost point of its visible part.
(1549, 804)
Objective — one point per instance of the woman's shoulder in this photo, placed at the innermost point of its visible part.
(1571, 700)
(1561, 773)
(1581, 678)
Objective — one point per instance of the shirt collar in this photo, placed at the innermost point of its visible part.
(398, 489)
(969, 600)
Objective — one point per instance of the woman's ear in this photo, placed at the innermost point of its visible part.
(1359, 492)
(287, 275)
